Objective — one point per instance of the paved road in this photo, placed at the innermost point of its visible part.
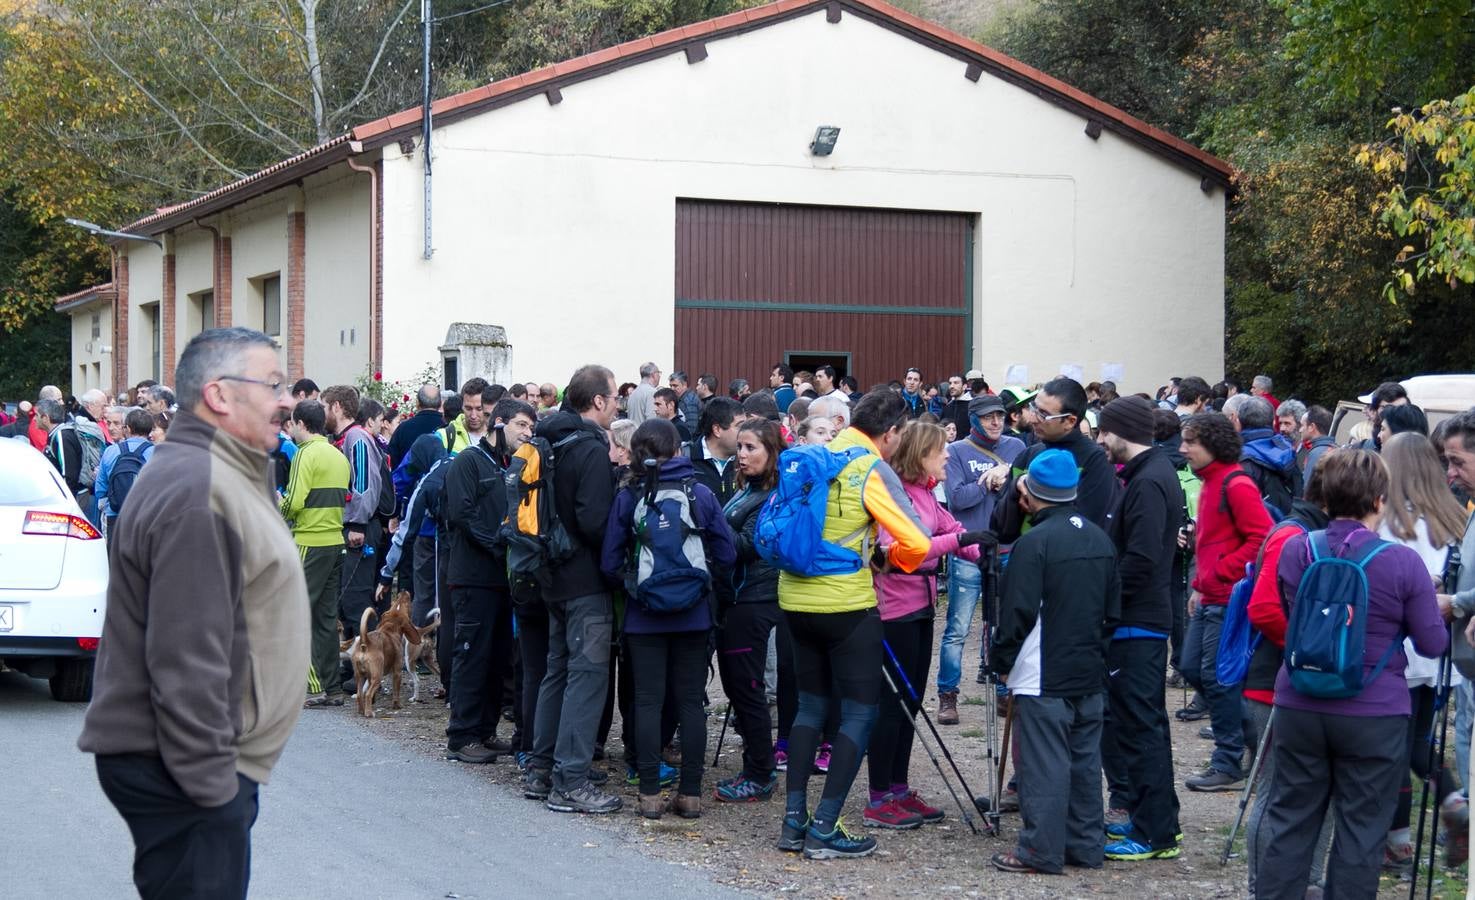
(347, 814)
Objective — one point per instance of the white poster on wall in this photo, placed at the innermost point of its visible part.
(1073, 371)
(1113, 372)
(1017, 374)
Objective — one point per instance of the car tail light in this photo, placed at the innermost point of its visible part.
(59, 524)
(88, 644)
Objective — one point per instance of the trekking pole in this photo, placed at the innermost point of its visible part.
(926, 718)
(907, 713)
(991, 704)
(1436, 758)
(1004, 749)
(726, 716)
(1244, 795)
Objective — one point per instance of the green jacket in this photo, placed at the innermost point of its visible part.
(317, 490)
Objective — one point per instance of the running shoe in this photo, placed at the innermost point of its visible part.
(669, 775)
(742, 789)
(912, 802)
(837, 844)
(891, 815)
(791, 834)
(780, 759)
(822, 760)
(1128, 850)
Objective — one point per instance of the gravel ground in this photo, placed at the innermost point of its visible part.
(734, 843)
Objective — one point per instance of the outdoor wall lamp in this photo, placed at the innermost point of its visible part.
(825, 137)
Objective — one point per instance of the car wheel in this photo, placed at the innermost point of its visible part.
(72, 682)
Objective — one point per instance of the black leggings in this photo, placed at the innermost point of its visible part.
(1420, 733)
(832, 650)
(788, 690)
(677, 660)
(742, 650)
(890, 752)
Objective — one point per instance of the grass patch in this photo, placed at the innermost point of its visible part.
(973, 701)
(971, 733)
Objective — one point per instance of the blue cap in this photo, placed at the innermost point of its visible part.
(1053, 477)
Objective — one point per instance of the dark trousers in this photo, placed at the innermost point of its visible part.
(1226, 705)
(445, 635)
(425, 578)
(1420, 735)
(1354, 764)
(676, 663)
(1063, 820)
(321, 567)
(832, 651)
(1136, 740)
(572, 693)
(742, 651)
(890, 753)
(483, 651)
(532, 646)
(1178, 586)
(360, 574)
(181, 850)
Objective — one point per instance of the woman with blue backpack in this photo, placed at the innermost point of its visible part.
(1341, 701)
(663, 529)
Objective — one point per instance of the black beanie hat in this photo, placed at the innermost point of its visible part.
(1129, 418)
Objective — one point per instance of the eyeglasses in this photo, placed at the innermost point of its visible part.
(279, 388)
(1048, 417)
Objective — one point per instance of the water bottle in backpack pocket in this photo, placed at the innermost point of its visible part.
(1326, 631)
(667, 572)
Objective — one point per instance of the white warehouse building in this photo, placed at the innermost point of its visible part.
(686, 198)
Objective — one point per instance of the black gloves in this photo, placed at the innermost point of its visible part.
(983, 538)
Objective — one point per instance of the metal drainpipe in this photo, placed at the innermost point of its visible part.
(214, 279)
(358, 147)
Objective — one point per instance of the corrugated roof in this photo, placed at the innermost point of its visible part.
(405, 122)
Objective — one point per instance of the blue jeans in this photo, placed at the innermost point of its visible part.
(964, 583)
(1199, 665)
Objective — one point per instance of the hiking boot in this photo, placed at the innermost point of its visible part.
(1206, 732)
(890, 815)
(947, 708)
(1455, 814)
(1008, 801)
(1214, 780)
(1176, 680)
(496, 745)
(791, 834)
(586, 798)
(686, 806)
(597, 776)
(982, 677)
(632, 775)
(522, 758)
(537, 783)
(1398, 859)
(1195, 710)
(837, 844)
(321, 700)
(912, 802)
(1128, 850)
(475, 753)
(652, 806)
(822, 760)
(742, 789)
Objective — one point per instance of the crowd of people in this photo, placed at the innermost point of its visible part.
(595, 547)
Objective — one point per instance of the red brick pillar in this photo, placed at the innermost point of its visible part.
(296, 294)
(167, 307)
(223, 317)
(120, 327)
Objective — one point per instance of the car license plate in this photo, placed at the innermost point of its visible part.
(7, 618)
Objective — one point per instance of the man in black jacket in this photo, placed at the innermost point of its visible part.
(714, 454)
(1058, 409)
(1059, 604)
(1137, 747)
(426, 419)
(580, 609)
(475, 505)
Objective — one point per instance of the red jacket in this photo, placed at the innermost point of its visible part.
(1226, 540)
(1267, 613)
(37, 434)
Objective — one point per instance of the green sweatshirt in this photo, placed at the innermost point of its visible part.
(316, 492)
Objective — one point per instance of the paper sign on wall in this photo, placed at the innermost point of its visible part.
(1113, 372)
(1073, 371)
(1017, 374)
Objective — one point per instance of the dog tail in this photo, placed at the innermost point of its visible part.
(364, 620)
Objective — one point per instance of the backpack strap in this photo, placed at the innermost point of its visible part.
(1319, 545)
(1224, 487)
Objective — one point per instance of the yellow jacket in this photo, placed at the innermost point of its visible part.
(865, 493)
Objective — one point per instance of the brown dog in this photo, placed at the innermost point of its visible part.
(424, 651)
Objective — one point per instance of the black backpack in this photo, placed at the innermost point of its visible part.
(125, 469)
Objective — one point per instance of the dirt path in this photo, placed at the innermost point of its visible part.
(735, 842)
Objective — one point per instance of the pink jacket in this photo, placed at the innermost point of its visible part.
(899, 594)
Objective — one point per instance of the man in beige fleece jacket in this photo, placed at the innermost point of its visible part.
(205, 643)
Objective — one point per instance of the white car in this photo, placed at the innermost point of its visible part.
(53, 575)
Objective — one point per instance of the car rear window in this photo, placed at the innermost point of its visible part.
(30, 483)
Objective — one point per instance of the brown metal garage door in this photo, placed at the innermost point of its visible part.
(881, 289)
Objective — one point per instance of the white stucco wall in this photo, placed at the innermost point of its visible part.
(337, 304)
(145, 286)
(557, 222)
(259, 251)
(91, 367)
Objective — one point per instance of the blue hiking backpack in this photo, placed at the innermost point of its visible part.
(125, 469)
(1238, 639)
(1326, 632)
(668, 562)
(789, 533)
